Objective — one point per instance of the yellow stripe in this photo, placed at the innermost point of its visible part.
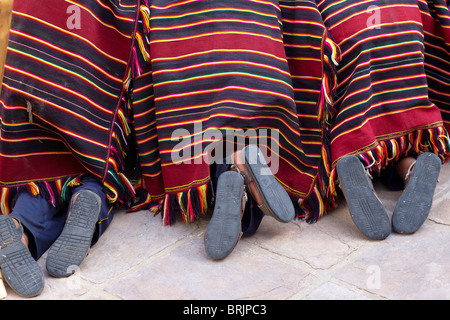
(71, 34)
(200, 35)
(67, 90)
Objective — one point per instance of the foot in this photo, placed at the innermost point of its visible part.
(224, 229)
(366, 210)
(20, 271)
(414, 204)
(69, 250)
(269, 194)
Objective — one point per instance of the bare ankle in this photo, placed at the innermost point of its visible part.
(24, 239)
(404, 167)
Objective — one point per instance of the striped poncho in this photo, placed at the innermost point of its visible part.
(161, 87)
(384, 107)
(436, 27)
(256, 69)
(65, 100)
(156, 86)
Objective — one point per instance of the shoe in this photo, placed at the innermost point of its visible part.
(366, 210)
(224, 230)
(72, 246)
(20, 271)
(275, 200)
(414, 204)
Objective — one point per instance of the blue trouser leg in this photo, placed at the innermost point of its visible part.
(41, 220)
(106, 211)
(44, 223)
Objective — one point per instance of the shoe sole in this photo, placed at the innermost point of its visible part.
(20, 271)
(72, 246)
(366, 210)
(224, 229)
(413, 206)
(271, 191)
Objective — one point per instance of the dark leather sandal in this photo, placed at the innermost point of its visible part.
(224, 229)
(414, 204)
(72, 245)
(366, 210)
(275, 200)
(20, 271)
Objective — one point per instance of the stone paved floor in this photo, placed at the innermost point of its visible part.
(138, 258)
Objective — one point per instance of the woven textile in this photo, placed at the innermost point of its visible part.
(64, 104)
(94, 86)
(436, 27)
(382, 110)
(260, 70)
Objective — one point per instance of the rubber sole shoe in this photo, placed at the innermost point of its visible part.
(275, 200)
(414, 204)
(20, 271)
(366, 210)
(224, 229)
(72, 246)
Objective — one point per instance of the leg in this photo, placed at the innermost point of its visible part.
(267, 192)
(404, 167)
(224, 230)
(366, 210)
(233, 216)
(42, 222)
(253, 216)
(106, 214)
(20, 270)
(414, 204)
(24, 235)
(87, 207)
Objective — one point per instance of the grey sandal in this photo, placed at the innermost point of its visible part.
(224, 229)
(414, 204)
(72, 246)
(366, 210)
(275, 200)
(20, 271)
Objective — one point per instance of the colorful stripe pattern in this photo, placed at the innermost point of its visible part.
(64, 103)
(436, 25)
(382, 106)
(232, 68)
